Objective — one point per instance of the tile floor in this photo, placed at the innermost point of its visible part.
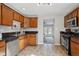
(43, 50)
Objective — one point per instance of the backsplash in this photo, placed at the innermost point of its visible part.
(75, 29)
(4, 29)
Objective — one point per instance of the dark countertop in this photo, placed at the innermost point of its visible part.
(71, 33)
(10, 36)
(74, 36)
(28, 32)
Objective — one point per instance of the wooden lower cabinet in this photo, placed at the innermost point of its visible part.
(22, 42)
(2, 48)
(2, 43)
(75, 47)
(31, 39)
(28, 39)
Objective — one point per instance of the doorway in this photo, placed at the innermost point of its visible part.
(48, 31)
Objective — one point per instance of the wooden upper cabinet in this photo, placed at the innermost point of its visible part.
(70, 15)
(26, 22)
(78, 16)
(22, 21)
(33, 22)
(21, 18)
(0, 13)
(65, 21)
(66, 18)
(78, 12)
(7, 16)
(16, 16)
(74, 13)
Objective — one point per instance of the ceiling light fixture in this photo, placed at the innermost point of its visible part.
(44, 4)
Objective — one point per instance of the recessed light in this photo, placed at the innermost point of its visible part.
(23, 9)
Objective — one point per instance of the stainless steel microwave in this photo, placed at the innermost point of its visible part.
(73, 22)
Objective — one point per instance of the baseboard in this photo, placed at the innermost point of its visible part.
(40, 43)
(56, 44)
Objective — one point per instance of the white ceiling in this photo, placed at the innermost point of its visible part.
(33, 10)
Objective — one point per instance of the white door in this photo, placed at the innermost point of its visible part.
(48, 31)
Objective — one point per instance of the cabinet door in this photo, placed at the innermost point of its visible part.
(22, 21)
(78, 16)
(33, 22)
(7, 15)
(21, 43)
(74, 13)
(66, 18)
(0, 13)
(70, 15)
(26, 22)
(21, 18)
(2, 43)
(74, 49)
(32, 39)
(26, 41)
(16, 16)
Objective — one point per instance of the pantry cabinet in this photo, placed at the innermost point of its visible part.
(7, 16)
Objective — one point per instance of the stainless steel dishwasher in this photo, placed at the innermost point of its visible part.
(12, 44)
